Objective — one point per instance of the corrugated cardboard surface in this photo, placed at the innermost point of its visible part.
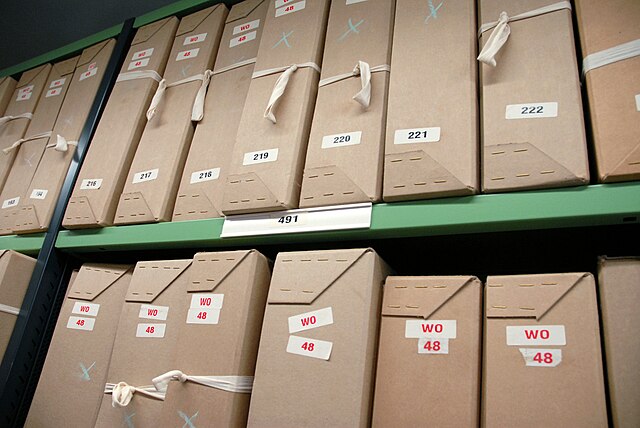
(293, 390)
(200, 192)
(433, 85)
(536, 65)
(228, 348)
(612, 89)
(7, 85)
(619, 289)
(414, 389)
(293, 38)
(570, 394)
(165, 141)
(116, 139)
(79, 359)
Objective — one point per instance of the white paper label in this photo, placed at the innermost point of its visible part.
(445, 329)
(53, 92)
(25, 93)
(536, 357)
(141, 177)
(205, 175)
(142, 54)
(203, 316)
(138, 63)
(341, 140)
(89, 73)
(261, 156)
(417, 135)
(309, 347)
(246, 27)
(531, 110)
(534, 335)
(92, 66)
(242, 39)
(91, 184)
(187, 54)
(39, 194)
(151, 330)
(295, 7)
(79, 323)
(280, 3)
(151, 312)
(206, 301)
(310, 320)
(57, 83)
(354, 1)
(86, 308)
(638, 102)
(428, 345)
(189, 40)
(11, 202)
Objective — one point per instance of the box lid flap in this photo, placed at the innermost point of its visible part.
(30, 75)
(150, 279)
(527, 296)
(65, 67)
(94, 278)
(91, 52)
(190, 22)
(145, 33)
(300, 277)
(210, 269)
(420, 297)
(242, 10)
(3, 252)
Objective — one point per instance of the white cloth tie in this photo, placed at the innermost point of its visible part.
(6, 119)
(234, 66)
(609, 56)
(239, 384)
(198, 105)
(122, 393)
(364, 96)
(500, 34)
(9, 309)
(18, 143)
(140, 74)
(61, 144)
(197, 111)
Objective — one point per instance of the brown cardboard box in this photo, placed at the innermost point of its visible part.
(145, 344)
(7, 85)
(429, 352)
(619, 289)
(205, 172)
(542, 359)
(227, 293)
(104, 170)
(31, 148)
(345, 130)
(268, 158)
(316, 361)
(431, 147)
(15, 274)
(613, 90)
(24, 101)
(35, 211)
(80, 350)
(532, 125)
(150, 190)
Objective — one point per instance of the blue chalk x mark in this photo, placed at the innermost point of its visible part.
(85, 371)
(351, 28)
(188, 421)
(433, 10)
(128, 420)
(284, 39)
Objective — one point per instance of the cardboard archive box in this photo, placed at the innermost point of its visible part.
(316, 360)
(19, 113)
(218, 343)
(15, 274)
(609, 31)
(105, 167)
(7, 85)
(150, 189)
(350, 116)
(532, 125)
(205, 172)
(431, 147)
(619, 289)
(80, 349)
(542, 359)
(31, 148)
(430, 341)
(34, 213)
(268, 157)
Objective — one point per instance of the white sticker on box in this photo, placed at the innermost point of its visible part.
(242, 39)
(88, 73)
(206, 301)
(638, 102)
(151, 330)
(533, 335)
(341, 140)
(187, 54)
(205, 175)
(92, 66)
(280, 3)
(91, 184)
(428, 345)
(354, 1)
(80, 323)
(260, 156)
(295, 7)
(417, 135)
(57, 83)
(138, 64)
(38, 194)
(246, 27)
(297, 219)
(310, 320)
(141, 177)
(86, 308)
(203, 316)
(189, 40)
(25, 93)
(53, 92)
(142, 54)
(435, 329)
(531, 110)
(536, 357)
(152, 312)
(314, 348)
(10, 202)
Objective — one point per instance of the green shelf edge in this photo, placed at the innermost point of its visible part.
(27, 244)
(542, 209)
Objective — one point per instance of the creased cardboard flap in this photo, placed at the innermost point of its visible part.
(135, 208)
(404, 297)
(65, 67)
(3, 252)
(79, 212)
(26, 220)
(255, 194)
(330, 185)
(210, 269)
(194, 204)
(30, 75)
(91, 52)
(150, 279)
(321, 269)
(93, 279)
(627, 169)
(242, 10)
(145, 33)
(527, 296)
(190, 22)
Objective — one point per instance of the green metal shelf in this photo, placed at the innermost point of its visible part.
(542, 209)
(27, 244)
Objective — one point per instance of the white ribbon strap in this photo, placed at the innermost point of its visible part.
(364, 70)
(6, 119)
(61, 144)
(162, 87)
(198, 105)
(239, 384)
(9, 309)
(501, 31)
(18, 143)
(609, 56)
(122, 393)
(234, 66)
(157, 97)
(140, 74)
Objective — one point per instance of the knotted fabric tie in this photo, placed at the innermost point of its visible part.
(609, 56)
(140, 74)
(9, 309)
(61, 144)
(239, 384)
(122, 393)
(198, 106)
(364, 70)
(6, 119)
(500, 34)
(18, 143)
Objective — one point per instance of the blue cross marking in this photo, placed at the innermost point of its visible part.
(85, 371)
(433, 10)
(284, 39)
(188, 421)
(128, 420)
(351, 28)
